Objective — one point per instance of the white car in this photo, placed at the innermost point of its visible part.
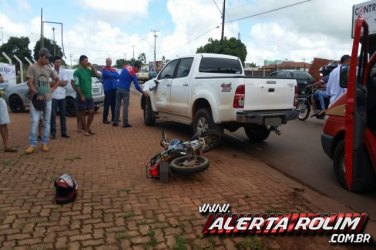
(18, 101)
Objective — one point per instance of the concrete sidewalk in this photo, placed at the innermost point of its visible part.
(119, 208)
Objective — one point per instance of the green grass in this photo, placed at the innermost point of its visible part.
(127, 190)
(179, 243)
(142, 222)
(6, 163)
(31, 221)
(251, 243)
(121, 235)
(182, 226)
(73, 158)
(153, 241)
(128, 215)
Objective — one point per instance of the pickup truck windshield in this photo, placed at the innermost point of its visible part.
(220, 65)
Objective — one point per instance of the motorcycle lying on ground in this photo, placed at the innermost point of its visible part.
(305, 105)
(181, 158)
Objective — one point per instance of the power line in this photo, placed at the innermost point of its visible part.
(269, 11)
(217, 6)
(203, 34)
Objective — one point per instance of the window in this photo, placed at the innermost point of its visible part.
(184, 67)
(220, 65)
(168, 71)
(302, 75)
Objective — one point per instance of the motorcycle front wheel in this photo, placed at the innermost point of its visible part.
(304, 112)
(188, 165)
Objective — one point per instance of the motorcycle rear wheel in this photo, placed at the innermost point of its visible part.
(187, 165)
(305, 111)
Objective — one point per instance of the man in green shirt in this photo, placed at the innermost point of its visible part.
(83, 86)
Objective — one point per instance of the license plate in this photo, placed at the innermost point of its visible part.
(273, 121)
(96, 91)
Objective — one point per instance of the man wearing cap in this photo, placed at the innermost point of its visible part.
(4, 120)
(127, 76)
(38, 80)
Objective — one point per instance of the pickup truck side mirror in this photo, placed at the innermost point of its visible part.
(154, 87)
(344, 76)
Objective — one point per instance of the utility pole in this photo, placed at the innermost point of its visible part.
(70, 55)
(133, 51)
(41, 29)
(223, 19)
(53, 32)
(155, 47)
(2, 38)
(238, 35)
(125, 56)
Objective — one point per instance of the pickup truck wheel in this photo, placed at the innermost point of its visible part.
(305, 111)
(366, 177)
(257, 133)
(149, 119)
(70, 107)
(16, 104)
(203, 121)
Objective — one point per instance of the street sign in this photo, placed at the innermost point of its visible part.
(366, 10)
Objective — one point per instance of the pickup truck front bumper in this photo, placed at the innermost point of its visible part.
(267, 118)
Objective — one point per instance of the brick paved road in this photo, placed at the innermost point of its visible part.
(118, 208)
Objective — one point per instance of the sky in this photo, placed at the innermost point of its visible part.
(119, 28)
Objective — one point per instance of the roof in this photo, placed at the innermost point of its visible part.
(316, 65)
(289, 65)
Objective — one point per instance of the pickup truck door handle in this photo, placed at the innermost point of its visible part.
(168, 85)
(185, 84)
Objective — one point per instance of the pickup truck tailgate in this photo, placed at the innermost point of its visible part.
(269, 94)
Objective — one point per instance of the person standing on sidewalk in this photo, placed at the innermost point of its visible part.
(85, 103)
(127, 76)
(58, 100)
(38, 75)
(4, 121)
(110, 81)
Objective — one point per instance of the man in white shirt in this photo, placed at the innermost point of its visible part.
(333, 89)
(58, 100)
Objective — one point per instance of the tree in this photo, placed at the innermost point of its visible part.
(253, 65)
(48, 44)
(142, 57)
(120, 63)
(18, 46)
(231, 46)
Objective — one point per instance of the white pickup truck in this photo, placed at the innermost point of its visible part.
(210, 91)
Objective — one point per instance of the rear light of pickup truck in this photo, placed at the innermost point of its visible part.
(296, 97)
(239, 97)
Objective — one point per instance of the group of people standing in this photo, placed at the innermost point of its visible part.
(116, 90)
(48, 89)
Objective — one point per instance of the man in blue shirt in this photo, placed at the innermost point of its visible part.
(110, 81)
(127, 76)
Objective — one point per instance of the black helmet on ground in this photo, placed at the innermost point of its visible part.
(66, 189)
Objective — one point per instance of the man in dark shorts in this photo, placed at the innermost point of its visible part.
(83, 86)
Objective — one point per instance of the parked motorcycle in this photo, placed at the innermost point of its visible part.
(181, 158)
(305, 105)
